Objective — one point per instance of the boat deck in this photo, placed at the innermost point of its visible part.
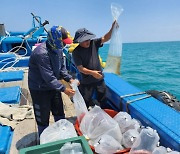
(145, 110)
(25, 133)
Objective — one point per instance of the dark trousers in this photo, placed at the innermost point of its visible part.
(43, 103)
(87, 91)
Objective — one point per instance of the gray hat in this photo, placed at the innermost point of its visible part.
(82, 35)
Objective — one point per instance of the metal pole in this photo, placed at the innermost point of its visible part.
(46, 22)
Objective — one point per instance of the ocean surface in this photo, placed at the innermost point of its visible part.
(150, 66)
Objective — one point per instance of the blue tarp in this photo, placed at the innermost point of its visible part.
(11, 76)
(5, 139)
(10, 94)
(20, 63)
(7, 57)
(23, 62)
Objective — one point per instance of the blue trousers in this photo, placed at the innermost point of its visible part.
(43, 103)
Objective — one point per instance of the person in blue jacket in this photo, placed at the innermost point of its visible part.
(46, 68)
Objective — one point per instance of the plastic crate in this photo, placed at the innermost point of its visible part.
(54, 147)
(110, 112)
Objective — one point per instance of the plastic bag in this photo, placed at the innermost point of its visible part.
(116, 10)
(129, 137)
(59, 130)
(124, 120)
(146, 142)
(79, 103)
(173, 152)
(96, 123)
(71, 148)
(107, 145)
(159, 150)
(115, 48)
(136, 124)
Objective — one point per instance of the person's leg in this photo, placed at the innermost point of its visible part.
(101, 94)
(41, 104)
(86, 92)
(57, 107)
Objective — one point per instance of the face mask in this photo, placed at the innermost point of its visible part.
(54, 38)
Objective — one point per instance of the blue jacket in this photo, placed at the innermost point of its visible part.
(45, 69)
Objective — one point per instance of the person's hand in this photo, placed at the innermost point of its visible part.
(115, 24)
(97, 74)
(75, 80)
(74, 84)
(70, 92)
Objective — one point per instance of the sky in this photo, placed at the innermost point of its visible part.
(141, 20)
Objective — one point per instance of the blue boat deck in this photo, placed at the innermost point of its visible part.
(6, 134)
(149, 111)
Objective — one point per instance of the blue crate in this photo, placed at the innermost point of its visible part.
(10, 95)
(11, 76)
(5, 139)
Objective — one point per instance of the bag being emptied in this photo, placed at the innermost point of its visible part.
(115, 48)
(79, 103)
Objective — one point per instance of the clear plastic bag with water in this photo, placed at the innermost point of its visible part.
(129, 137)
(106, 144)
(136, 124)
(173, 152)
(71, 148)
(115, 48)
(79, 103)
(124, 120)
(146, 142)
(96, 123)
(59, 130)
(159, 150)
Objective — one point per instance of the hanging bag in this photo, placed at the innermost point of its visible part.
(115, 48)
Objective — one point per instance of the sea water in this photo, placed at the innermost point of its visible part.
(150, 66)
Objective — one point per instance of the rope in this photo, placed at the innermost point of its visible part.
(18, 57)
(24, 96)
(73, 65)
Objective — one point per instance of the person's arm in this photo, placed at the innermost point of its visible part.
(107, 36)
(96, 74)
(48, 75)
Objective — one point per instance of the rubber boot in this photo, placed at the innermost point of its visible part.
(56, 118)
(41, 129)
